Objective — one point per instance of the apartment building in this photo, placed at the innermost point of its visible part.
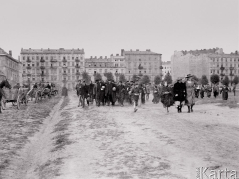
(60, 66)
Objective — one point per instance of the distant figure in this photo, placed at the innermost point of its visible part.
(202, 89)
(224, 92)
(234, 89)
(64, 91)
(215, 90)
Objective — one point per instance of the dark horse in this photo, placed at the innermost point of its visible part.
(2, 84)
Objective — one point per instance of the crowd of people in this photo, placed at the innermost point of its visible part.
(182, 93)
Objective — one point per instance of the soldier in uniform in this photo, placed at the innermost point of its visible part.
(135, 92)
(190, 93)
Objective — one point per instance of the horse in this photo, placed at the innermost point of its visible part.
(6, 84)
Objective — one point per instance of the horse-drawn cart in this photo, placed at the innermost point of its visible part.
(17, 95)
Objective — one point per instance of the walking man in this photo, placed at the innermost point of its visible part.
(84, 92)
(136, 94)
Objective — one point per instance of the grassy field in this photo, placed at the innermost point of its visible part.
(16, 126)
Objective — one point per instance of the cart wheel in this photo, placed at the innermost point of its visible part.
(18, 102)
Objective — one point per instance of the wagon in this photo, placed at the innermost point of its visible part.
(18, 96)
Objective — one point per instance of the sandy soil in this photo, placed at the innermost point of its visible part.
(114, 142)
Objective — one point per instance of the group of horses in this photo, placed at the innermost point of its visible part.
(37, 94)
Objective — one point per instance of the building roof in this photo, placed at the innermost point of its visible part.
(166, 63)
(224, 55)
(138, 52)
(3, 53)
(52, 51)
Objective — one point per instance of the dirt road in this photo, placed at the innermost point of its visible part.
(114, 142)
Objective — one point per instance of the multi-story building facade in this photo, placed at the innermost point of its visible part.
(204, 62)
(10, 67)
(60, 66)
(142, 63)
(114, 64)
(166, 68)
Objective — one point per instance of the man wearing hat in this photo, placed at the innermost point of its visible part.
(179, 91)
(190, 93)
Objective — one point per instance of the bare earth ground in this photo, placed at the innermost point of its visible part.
(114, 142)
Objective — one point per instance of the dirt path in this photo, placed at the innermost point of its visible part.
(114, 142)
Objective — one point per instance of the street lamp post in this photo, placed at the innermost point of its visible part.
(231, 69)
(222, 69)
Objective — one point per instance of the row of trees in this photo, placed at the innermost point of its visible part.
(157, 80)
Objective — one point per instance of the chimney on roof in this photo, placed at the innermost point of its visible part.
(111, 55)
(137, 49)
(10, 52)
(95, 56)
(122, 52)
(100, 56)
(90, 56)
(131, 50)
(117, 54)
(105, 57)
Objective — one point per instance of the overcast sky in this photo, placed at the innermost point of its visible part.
(104, 27)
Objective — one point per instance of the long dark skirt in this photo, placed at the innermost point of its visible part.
(167, 100)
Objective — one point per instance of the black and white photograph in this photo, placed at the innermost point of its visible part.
(119, 89)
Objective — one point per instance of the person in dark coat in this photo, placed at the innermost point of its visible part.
(127, 92)
(102, 92)
(84, 92)
(96, 92)
(224, 92)
(143, 93)
(179, 91)
(202, 89)
(167, 96)
(91, 87)
(110, 93)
